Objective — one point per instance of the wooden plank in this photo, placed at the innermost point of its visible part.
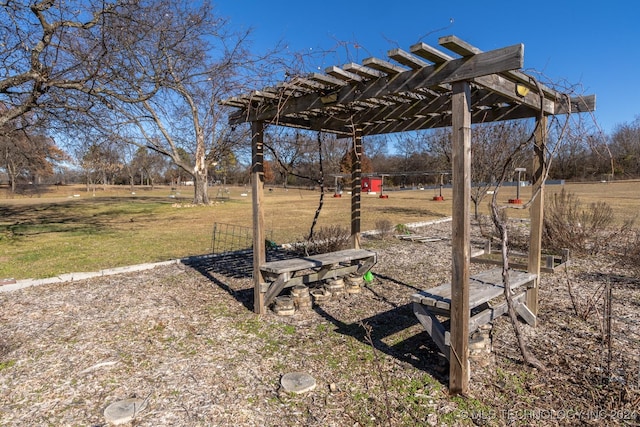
(341, 74)
(526, 314)
(578, 104)
(257, 186)
(383, 66)
(306, 279)
(460, 236)
(430, 53)
(433, 327)
(492, 313)
(483, 287)
(506, 88)
(329, 80)
(288, 265)
(319, 260)
(536, 211)
(406, 59)
(363, 71)
(459, 46)
(344, 255)
(275, 288)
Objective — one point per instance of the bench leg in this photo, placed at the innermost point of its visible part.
(275, 288)
(366, 265)
(526, 314)
(433, 327)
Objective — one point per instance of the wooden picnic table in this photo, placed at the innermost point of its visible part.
(486, 303)
(332, 265)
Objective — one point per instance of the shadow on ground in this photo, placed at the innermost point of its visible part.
(377, 330)
(235, 265)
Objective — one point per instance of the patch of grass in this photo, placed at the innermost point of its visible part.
(7, 364)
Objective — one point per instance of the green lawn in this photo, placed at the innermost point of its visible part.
(67, 229)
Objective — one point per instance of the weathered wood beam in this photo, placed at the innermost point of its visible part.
(257, 186)
(307, 83)
(459, 46)
(578, 104)
(234, 102)
(460, 237)
(499, 84)
(430, 53)
(341, 74)
(383, 66)
(329, 80)
(465, 49)
(363, 71)
(536, 212)
(406, 59)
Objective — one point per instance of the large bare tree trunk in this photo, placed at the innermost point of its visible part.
(200, 194)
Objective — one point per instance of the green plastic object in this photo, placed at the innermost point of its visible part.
(368, 277)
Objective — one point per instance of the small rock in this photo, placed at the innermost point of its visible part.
(123, 411)
(297, 382)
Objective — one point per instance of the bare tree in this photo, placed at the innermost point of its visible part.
(492, 146)
(26, 152)
(54, 50)
(625, 145)
(197, 61)
(100, 162)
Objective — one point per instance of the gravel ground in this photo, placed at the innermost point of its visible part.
(183, 338)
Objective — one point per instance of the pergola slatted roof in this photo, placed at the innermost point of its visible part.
(409, 91)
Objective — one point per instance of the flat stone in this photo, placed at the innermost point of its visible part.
(123, 411)
(297, 382)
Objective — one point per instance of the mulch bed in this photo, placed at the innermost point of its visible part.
(184, 338)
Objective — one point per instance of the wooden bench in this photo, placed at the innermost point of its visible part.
(332, 265)
(483, 289)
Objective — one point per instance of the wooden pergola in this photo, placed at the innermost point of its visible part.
(423, 88)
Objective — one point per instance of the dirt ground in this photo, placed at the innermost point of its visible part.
(183, 337)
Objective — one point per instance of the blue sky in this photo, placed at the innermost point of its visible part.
(597, 47)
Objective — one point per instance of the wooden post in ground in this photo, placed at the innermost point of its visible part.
(537, 210)
(257, 189)
(356, 178)
(461, 165)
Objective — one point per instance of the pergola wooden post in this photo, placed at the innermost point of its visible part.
(257, 192)
(460, 237)
(356, 182)
(537, 210)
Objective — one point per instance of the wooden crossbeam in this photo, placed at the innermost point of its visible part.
(341, 74)
(323, 78)
(455, 44)
(405, 58)
(363, 71)
(430, 53)
(384, 66)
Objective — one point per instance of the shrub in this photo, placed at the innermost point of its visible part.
(326, 239)
(385, 227)
(402, 229)
(568, 224)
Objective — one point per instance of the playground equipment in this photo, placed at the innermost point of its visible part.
(439, 197)
(517, 200)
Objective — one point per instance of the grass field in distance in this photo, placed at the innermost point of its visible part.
(67, 229)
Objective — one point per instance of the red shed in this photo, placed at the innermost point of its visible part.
(371, 184)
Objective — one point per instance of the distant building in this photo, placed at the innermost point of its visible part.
(371, 184)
